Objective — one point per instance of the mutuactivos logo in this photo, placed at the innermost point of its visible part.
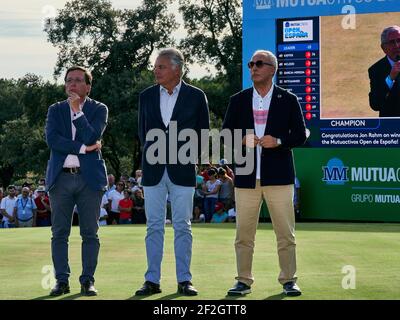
(263, 4)
(336, 173)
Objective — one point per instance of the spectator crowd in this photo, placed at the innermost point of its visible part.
(123, 201)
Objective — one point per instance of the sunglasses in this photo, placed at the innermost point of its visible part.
(258, 64)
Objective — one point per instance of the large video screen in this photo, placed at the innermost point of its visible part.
(326, 66)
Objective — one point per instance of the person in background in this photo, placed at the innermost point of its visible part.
(43, 217)
(7, 207)
(113, 200)
(1, 198)
(138, 177)
(103, 210)
(25, 210)
(226, 193)
(125, 206)
(210, 190)
(138, 213)
(220, 215)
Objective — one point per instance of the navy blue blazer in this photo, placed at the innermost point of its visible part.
(190, 112)
(381, 99)
(285, 121)
(89, 129)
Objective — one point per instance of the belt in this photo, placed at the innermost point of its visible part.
(74, 170)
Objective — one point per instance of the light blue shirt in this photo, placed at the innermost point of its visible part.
(389, 80)
(25, 207)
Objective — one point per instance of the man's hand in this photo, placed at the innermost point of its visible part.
(74, 101)
(250, 141)
(268, 142)
(395, 70)
(94, 147)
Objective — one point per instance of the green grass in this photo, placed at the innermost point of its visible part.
(322, 251)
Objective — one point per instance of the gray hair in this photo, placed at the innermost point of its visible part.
(270, 56)
(175, 56)
(386, 32)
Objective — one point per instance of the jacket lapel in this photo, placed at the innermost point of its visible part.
(155, 104)
(274, 105)
(66, 113)
(179, 101)
(248, 108)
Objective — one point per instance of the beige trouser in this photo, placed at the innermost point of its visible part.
(279, 200)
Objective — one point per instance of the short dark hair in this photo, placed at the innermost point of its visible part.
(221, 171)
(11, 186)
(88, 75)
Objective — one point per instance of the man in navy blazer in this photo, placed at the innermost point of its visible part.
(166, 110)
(76, 174)
(384, 76)
(276, 120)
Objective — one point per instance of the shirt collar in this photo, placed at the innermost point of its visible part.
(268, 96)
(80, 106)
(176, 89)
(390, 61)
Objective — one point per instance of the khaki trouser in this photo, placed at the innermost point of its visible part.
(279, 200)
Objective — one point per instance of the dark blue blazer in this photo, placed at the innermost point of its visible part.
(190, 112)
(381, 99)
(285, 121)
(89, 129)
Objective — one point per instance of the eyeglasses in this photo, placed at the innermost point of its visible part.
(76, 80)
(393, 42)
(258, 64)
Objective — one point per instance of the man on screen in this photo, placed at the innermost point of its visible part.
(384, 76)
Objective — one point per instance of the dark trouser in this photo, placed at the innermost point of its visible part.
(113, 216)
(43, 222)
(71, 189)
(209, 208)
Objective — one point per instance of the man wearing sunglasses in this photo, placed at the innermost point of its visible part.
(276, 119)
(384, 76)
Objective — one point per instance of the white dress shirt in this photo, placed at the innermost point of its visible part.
(167, 102)
(260, 113)
(72, 160)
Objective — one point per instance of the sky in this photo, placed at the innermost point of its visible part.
(23, 43)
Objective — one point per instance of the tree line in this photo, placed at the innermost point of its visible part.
(116, 45)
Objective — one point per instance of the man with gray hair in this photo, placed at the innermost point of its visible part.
(276, 118)
(169, 107)
(384, 76)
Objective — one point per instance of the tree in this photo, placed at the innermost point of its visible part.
(214, 30)
(116, 45)
(26, 151)
(11, 108)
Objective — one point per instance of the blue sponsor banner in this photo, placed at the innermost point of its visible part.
(267, 9)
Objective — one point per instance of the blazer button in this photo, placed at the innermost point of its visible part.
(166, 131)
